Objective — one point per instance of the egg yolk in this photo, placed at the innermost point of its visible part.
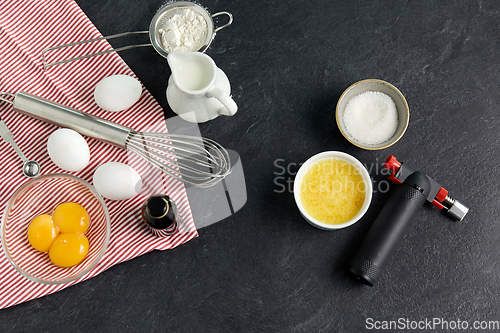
(71, 217)
(42, 232)
(62, 234)
(69, 249)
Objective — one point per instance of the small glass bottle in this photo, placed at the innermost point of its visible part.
(159, 212)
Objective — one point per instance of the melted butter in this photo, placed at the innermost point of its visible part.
(332, 191)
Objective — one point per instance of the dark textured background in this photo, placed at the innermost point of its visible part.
(265, 269)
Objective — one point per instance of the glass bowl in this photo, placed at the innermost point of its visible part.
(40, 196)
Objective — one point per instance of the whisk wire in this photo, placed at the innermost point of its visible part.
(193, 160)
(157, 157)
(157, 149)
(179, 151)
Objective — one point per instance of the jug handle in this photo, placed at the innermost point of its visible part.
(225, 99)
(225, 25)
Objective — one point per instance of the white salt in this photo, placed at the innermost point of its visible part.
(371, 117)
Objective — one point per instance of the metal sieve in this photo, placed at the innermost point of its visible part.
(164, 14)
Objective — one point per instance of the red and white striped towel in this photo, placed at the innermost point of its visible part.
(26, 28)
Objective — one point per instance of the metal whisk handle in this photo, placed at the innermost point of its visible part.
(67, 117)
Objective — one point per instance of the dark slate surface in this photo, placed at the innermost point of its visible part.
(264, 269)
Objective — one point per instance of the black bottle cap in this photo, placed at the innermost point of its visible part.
(157, 207)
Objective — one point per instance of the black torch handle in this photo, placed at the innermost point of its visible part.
(387, 231)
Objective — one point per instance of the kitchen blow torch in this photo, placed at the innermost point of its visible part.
(393, 221)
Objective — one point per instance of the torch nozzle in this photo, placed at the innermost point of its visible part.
(455, 208)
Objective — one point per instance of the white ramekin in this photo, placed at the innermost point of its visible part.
(343, 157)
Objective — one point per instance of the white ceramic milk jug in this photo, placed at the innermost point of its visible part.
(197, 90)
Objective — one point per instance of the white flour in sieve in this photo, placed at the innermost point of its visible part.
(185, 31)
(371, 117)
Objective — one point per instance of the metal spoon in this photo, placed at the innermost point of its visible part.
(30, 168)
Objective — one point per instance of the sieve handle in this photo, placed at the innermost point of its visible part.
(45, 51)
(63, 116)
(225, 25)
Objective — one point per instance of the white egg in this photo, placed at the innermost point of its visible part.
(68, 150)
(117, 92)
(117, 181)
